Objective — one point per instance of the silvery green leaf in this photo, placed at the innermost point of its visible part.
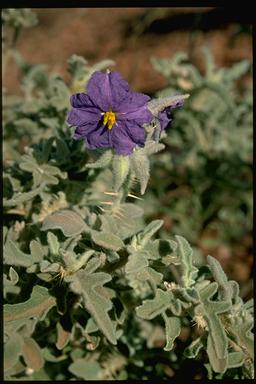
(219, 364)
(69, 222)
(151, 308)
(240, 328)
(211, 309)
(97, 305)
(235, 359)
(158, 105)
(189, 295)
(149, 231)
(48, 356)
(148, 273)
(107, 240)
(37, 305)
(172, 330)
(12, 351)
(49, 267)
(37, 250)
(14, 277)
(63, 336)
(22, 197)
(194, 348)
(94, 263)
(86, 370)
(153, 146)
(136, 262)
(32, 354)
(53, 243)
(103, 161)
(121, 167)
(220, 277)
(126, 223)
(14, 256)
(139, 163)
(91, 326)
(185, 252)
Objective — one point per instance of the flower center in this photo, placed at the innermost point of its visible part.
(109, 119)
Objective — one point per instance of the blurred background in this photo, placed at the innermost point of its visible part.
(130, 37)
(201, 184)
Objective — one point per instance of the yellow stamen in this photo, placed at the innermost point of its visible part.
(109, 119)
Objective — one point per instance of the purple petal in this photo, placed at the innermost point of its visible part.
(135, 131)
(98, 89)
(81, 116)
(83, 131)
(80, 100)
(133, 101)
(99, 138)
(141, 115)
(107, 90)
(121, 141)
(165, 118)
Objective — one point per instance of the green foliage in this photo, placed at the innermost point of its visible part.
(18, 18)
(205, 172)
(92, 290)
(96, 300)
(70, 223)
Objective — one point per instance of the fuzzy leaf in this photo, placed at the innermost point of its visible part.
(240, 327)
(107, 240)
(126, 224)
(53, 243)
(69, 222)
(172, 330)
(158, 105)
(43, 174)
(20, 197)
(218, 364)
(153, 146)
(63, 336)
(120, 166)
(220, 277)
(235, 359)
(148, 273)
(48, 356)
(62, 151)
(91, 326)
(38, 305)
(140, 166)
(96, 304)
(189, 272)
(37, 250)
(103, 161)
(12, 351)
(136, 262)
(87, 370)
(189, 295)
(149, 231)
(211, 309)
(14, 256)
(32, 354)
(154, 307)
(193, 349)
(14, 277)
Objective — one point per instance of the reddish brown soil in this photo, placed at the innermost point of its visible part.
(130, 37)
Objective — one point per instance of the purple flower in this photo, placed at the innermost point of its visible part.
(110, 115)
(165, 117)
